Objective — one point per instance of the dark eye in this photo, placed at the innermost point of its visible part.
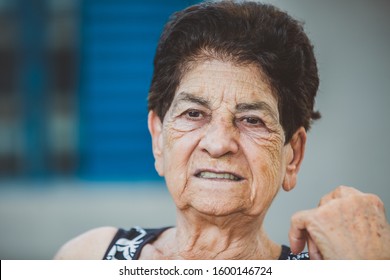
(193, 114)
(253, 121)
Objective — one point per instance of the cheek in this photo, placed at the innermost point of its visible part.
(177, 153)
(179, 132)
(270, 151)
(266, 164)
(266, 180)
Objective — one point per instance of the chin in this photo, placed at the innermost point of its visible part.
(217, 208)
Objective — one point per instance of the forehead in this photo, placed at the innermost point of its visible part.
(218, 80)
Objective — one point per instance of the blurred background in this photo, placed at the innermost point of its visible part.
(75, 152)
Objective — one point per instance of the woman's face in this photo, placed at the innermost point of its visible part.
(221, 146)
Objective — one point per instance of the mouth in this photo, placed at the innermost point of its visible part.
(218, 176)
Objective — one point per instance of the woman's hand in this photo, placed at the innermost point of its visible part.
(347, 224)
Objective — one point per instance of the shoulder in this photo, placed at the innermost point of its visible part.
(89, 245)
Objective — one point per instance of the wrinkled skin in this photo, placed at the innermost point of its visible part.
(221, 150)
(213, 125)
(347, 224)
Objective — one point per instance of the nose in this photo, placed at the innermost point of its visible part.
(220, 138)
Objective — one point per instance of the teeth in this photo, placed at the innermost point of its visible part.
(211, 175)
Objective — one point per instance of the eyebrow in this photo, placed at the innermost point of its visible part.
(189, 97)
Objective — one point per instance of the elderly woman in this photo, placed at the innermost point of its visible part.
(230, 102)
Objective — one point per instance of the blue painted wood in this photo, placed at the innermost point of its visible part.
(118, 43)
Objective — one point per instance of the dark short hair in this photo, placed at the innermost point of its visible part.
(242, 33)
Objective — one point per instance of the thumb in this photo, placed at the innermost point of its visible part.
(298, 235)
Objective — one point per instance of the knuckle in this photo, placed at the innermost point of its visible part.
(294, 218)
(300, 218)
(375, 200)
(342, 189)
(323, 200)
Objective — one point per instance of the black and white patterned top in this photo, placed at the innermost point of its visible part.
(127, 245)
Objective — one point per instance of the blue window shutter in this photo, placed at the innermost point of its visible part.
(118, 43)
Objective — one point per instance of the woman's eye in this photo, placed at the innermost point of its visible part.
(194, 114)
(253, 121)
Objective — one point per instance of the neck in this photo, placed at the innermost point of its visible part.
(200, 236)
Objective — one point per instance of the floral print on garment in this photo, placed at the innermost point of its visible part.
(127, 245)
(124, 248)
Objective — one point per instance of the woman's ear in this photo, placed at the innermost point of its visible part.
(155, 129)
(295, 153)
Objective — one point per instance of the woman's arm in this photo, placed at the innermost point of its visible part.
(90, 245)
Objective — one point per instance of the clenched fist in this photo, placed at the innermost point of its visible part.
(347, 224)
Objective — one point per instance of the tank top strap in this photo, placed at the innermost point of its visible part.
(127, 244)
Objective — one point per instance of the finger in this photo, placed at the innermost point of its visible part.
(314, 252)
(298, 242)
(340, 191)
(297, 234)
